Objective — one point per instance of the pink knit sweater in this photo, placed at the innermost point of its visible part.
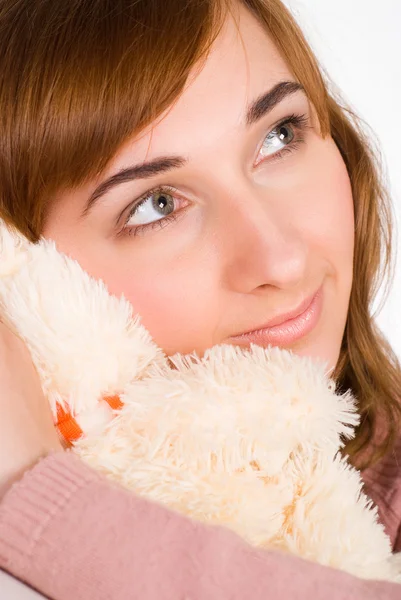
(74, 536)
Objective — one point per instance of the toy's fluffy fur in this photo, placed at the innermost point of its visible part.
(249, 440)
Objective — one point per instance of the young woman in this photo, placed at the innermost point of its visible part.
(191, 155)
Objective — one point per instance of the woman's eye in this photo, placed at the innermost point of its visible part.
(277, 139)
(156, 206)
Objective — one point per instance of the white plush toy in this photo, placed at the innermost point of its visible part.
(249, 440)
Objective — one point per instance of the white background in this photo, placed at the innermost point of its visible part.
(358, 42)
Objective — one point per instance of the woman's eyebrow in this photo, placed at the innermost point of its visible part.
(266, 102)
(140, 171)
(258, 109)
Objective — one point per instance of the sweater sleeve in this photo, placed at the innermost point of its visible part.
(70, 533)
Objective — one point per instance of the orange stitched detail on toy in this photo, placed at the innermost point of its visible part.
(67, 426)
(114, 402)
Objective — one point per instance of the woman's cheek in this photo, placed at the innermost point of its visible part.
(332, 214)
(172, 300)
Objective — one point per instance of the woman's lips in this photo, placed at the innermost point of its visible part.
(285, 329)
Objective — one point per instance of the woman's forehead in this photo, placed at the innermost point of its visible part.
(242, 64)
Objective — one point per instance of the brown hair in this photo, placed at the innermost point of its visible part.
(78, 78)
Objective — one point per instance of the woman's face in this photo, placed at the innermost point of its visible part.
(242, 215)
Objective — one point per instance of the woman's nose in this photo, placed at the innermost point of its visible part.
(261, 246)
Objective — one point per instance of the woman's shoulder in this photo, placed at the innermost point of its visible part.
(383, 486)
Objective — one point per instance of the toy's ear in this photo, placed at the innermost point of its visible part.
(13, 250)
(85, 343)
